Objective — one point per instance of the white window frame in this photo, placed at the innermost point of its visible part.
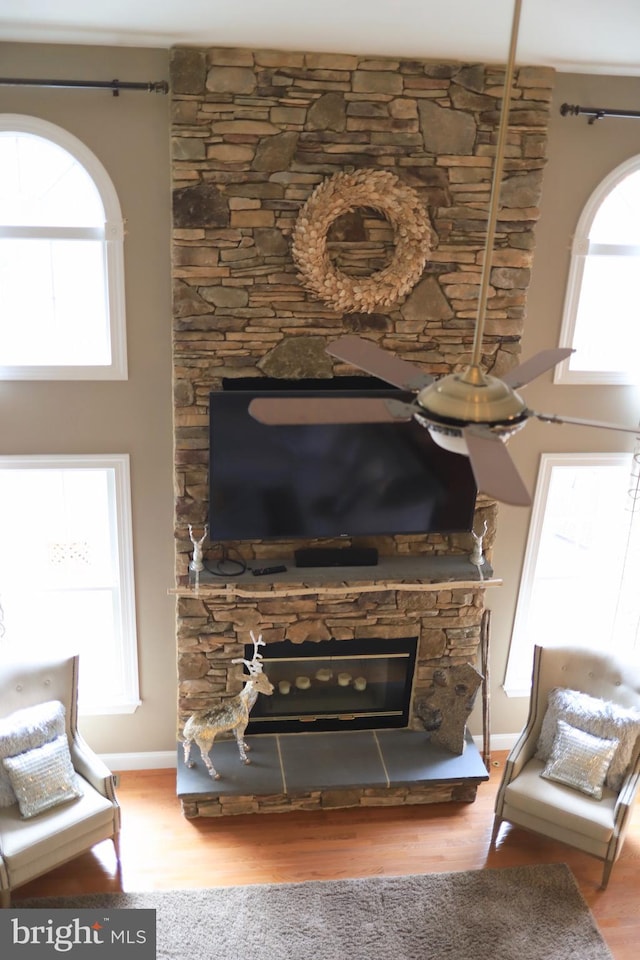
(126, 641)
(113, 248)
(521, 648)
(582, 248)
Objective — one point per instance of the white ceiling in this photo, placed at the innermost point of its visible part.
(582, 36)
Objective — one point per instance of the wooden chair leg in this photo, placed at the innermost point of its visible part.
(496, 830)
(116, 847)
(5, 899)
(606, 873)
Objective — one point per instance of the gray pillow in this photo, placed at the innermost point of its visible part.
(23, 730)
(601, 718)
(579, 760)
(44, 777)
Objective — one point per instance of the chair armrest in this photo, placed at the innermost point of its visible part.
(92, 768)
(627, 793)
(521, 752)
(622, 812)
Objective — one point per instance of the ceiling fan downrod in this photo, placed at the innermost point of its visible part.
(472, 395)
(494, 201)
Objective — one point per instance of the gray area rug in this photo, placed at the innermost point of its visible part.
(518, 913)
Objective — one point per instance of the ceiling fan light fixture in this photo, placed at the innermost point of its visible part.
(488, 400)
(450, 440)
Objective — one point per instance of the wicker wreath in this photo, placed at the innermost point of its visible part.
(342, 193)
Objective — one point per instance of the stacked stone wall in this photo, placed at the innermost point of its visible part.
(214, 630)
(254, 132)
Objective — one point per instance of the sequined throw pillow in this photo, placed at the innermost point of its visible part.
(43, 778)
(601, 718)
(579, 760)
(23, 730)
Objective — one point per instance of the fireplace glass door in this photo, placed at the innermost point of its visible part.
(335, 685)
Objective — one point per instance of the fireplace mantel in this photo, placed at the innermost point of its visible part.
(391, 573)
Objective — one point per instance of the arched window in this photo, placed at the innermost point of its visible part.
(62, 312)
(602, 307)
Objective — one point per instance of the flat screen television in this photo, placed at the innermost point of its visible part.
(317, 481)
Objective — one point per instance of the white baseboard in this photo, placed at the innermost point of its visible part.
(155, 760)
(499, 741)
(163, 759)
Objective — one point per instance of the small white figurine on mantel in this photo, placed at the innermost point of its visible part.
(477, 557)
(197, 563)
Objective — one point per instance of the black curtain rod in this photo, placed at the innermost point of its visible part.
(596, 113)
(159, 86)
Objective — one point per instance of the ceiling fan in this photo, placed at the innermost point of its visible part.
(470, 412)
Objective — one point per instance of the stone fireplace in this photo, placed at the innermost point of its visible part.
(407, 601)
(253, 133)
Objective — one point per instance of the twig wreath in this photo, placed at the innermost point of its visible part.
(384, 192)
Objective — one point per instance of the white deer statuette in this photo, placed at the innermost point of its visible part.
(197, 562)
(477, 556)
(231, 716)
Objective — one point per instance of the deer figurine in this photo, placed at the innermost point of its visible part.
(233, 715)
(477, 556)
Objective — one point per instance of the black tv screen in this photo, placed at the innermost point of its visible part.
(315, 482)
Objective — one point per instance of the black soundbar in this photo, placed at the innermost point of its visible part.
(336, 557)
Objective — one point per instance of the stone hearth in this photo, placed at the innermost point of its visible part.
(315, 771)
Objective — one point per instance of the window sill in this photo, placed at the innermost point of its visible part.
(98, 710)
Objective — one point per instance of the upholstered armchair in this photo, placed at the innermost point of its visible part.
(57, 797)
(556, 804)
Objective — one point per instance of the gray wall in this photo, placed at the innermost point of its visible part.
(580, 156)
(130, 135)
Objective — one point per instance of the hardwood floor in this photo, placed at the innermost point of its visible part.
(161, 850)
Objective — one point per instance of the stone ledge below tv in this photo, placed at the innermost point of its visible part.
(425, 572)
(316, 771)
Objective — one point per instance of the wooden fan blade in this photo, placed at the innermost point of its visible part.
(536, 365)
(494, 470)
(578, 421)
(280, 411)
(373, 359)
